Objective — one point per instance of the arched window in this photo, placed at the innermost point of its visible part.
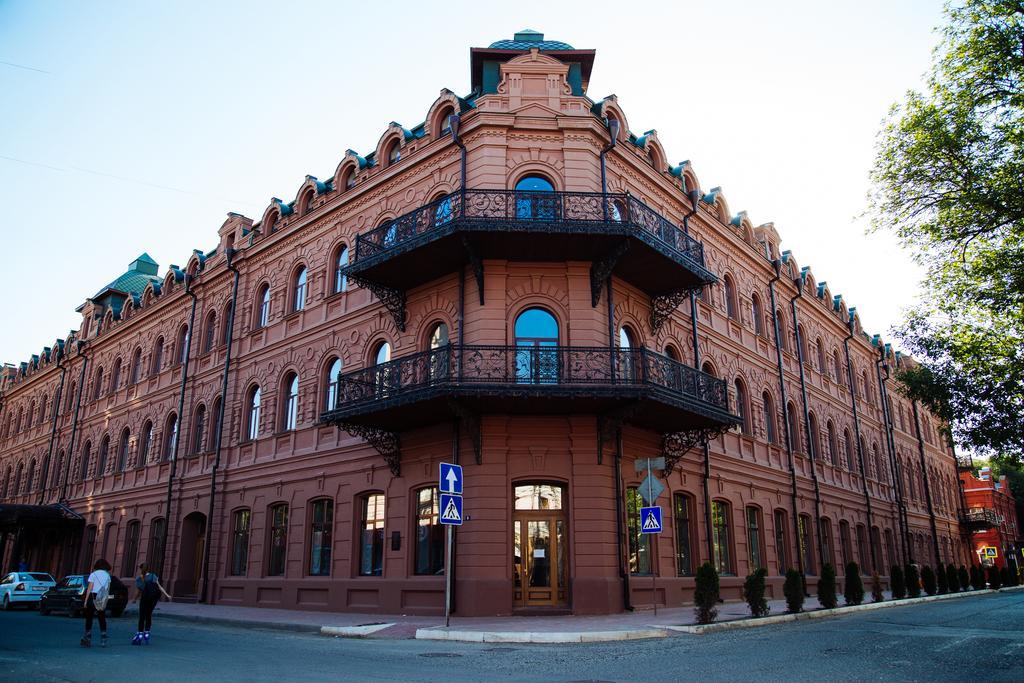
(135, 373)
(639, 542)
(849, 450)
(439, 352)
(768, 415)
(742, 405)
(225, 331)
(17, 479)
(145, 443)
(757, 314)
(239, 542)
(755, 544)
(198, 428)
(682, 516)
(672, 352)
(17, 423)
(833, 445)
(42, 408)
(158, 356)
(845, 542)
(170, 437)
(277, 548)
(837, 366)
(826, 541)
(780, 320)
(444, 210)
(97, 387)
(813, 435)
(31, 478)
(133, 531)
(445, 121)
(429, 551)
(30, 415)
(793, 425)
(394, 154)
(290, 405)
(350, 178)
(83, 465)
(307, 202)
(183, 341)
(122, 450)
(6, 491)
(821, 355)
(880, 472)
(732, 308)
(867, 386)
(252, 413)
(299, 302)
(210, 332)
(536, 333)
(263, 306)
(333, 384)
(321, 527)
(801, 339)
(115, 376)
(216, 417)
(803, 525)
(101, 459)
(535, 199)
(627, 359)
(721, 537)
(340, 263)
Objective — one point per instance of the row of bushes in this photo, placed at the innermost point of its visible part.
(905, 582)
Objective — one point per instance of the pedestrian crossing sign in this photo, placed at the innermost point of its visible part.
(451, 509)
(650, 520)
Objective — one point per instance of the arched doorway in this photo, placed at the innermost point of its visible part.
(536, 332)
(190, 554)
(536, 199)
(540, 546)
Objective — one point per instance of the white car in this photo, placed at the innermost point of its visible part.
(24, 588)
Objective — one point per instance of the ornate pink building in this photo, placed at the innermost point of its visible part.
(519, 283)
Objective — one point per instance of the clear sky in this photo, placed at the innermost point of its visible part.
(136, 126)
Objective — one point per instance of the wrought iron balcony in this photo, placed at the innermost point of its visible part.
(658, 392)
(980, 518)
(614, 232)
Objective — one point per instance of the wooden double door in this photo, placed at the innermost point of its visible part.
(540, 549)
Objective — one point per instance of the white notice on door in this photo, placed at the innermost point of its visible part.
(539, 552)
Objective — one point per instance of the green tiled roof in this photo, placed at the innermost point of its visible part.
(140, 273)
(527, 39)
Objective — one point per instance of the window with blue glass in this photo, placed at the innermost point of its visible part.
(535, 199)
(536, 333)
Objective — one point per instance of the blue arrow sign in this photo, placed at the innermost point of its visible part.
(451, 478)
(650, 520)
(451, 509)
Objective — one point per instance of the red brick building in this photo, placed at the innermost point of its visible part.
(991, 516)
(520, 283)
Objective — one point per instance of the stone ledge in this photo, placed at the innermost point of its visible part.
(440, 633)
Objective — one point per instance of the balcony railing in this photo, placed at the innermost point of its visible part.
(980, 517)
(511, 210)
(527, 371)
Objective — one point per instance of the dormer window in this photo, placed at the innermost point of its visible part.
(394, 153)
(350, 179)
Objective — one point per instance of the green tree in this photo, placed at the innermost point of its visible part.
(949, 181)
(827, 587)
(793, 589)
(853, 587)
(753, 593)
(705, 594)
(899, 586)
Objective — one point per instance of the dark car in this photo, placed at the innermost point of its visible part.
(66, 596)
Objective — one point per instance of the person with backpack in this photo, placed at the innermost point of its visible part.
(97, 592)
(149, 590)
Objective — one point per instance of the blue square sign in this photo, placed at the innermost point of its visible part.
(650, 520)
(451, 478)
(451, 509)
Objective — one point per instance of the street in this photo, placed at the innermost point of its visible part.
(978, 638)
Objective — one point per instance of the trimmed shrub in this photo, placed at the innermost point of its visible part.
(753, 593)
(928, 580)
(899, 584)
(977, 577)
(1004, 577)
(853, 591)
(952, 579)
(876, 588)
(793, 589)
(913, 582)
(940, 580)
(827, 587)
(705, 595)
(994, 580)
(965, 578)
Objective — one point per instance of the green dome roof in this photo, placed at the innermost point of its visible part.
(527, 39)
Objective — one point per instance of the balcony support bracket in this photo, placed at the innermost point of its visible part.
(477, 265)
(393, 299)
(663, 305)
(609, 423)
(601, 269)
(470, 420)
(384, 442)
(674, 445)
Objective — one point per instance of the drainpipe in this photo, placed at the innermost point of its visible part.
(74, 420)
(799, 282)
(454, 123)
(181, 423)
(694, 196)
(894, 462)
(777, 265)
(229, 253)
(856, 435)
(927, 488)
(53, 428)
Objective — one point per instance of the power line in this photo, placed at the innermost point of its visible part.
(27, 68)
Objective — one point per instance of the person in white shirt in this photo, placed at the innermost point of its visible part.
(98, 586)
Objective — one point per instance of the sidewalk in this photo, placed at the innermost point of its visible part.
(641, 623)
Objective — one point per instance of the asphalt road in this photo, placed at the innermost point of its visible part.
(976, 639)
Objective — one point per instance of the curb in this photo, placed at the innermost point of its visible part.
(353, 631)
(438, 633)
(242, 623)
(700, 629)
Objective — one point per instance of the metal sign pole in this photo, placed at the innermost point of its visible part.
(654, 573)
(448, 575)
